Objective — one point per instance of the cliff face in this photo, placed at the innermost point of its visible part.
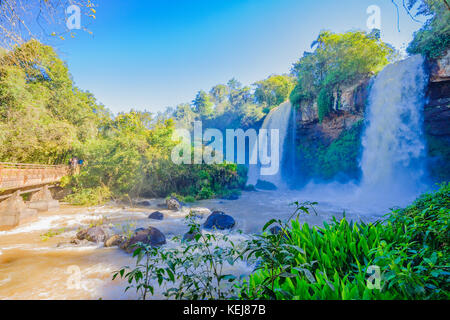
(348, 109)
(334, 145)
(437, 118)
(329, 149)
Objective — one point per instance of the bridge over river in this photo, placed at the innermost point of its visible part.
(17, 179)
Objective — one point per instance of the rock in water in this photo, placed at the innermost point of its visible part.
(115, 240)
(93, 234)
(199, 212)
(266, 185)
(144, 203)
(150, 236)
(276, 230)
(156, 215)
(173, 204)
(189, 236)
(219, 220)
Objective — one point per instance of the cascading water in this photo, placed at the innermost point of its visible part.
(393, 146)
(277, 119)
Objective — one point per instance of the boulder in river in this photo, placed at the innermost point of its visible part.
(220, 221)
(277, 230)
(173, 204)
(231, 196)
(199, 212)
(94, 234)
(115, 240)
(144, 203)
(189, 236)
(265, 185)
(150, 236)
(156, 215)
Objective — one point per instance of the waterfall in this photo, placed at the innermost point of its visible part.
(278, 118)
(392, 161)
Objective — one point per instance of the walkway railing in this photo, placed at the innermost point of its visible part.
(14, 176)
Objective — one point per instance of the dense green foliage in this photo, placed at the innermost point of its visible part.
(337, 261)
(132, 158)
(42, 114)
(273, 91)
(44, 118)
(337, 160)
(233, 105)
(433, 39)
(406, 256)
(325, 102)
(338, 60)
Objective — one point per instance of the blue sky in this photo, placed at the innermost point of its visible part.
(152, 54)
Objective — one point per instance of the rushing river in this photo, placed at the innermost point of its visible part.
(33, 267)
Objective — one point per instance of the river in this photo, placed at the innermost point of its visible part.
(35, 267)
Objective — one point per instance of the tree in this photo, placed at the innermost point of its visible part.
(219, 93)
(234, 85)
(43, 116)
(433, 39)
(203, 105)
(22, 20)
(274, 90)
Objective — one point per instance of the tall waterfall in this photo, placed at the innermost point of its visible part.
(393, 145)
(278, 119)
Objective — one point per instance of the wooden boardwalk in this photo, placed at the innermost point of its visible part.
(20, 176)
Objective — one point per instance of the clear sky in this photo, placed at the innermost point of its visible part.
(152, 54)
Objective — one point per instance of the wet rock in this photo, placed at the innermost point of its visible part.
(150, 236)
(219, 220)
(232, 196)
(199, 212)
(277, 230)
(144, 203)
(115, 240)
(139, 229)
(173, 204)
(93, 234)
(156, 215)
(250, 187)
(440, 68)
(72, 243)
(189, 236)
(265, 185)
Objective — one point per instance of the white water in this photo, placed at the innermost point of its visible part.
(277, 119)
(393, 144)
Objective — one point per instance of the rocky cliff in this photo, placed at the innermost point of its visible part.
(329, 149)
(437, 118)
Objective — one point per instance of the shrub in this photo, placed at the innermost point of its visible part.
(89, 196)
(338, 160)
(325, 102)
(410, 249)
(196, 270)
(433, 39)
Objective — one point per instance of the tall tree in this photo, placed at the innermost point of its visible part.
(22, 20)
(203, 105)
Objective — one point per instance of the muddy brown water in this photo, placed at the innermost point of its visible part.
(37, 263)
